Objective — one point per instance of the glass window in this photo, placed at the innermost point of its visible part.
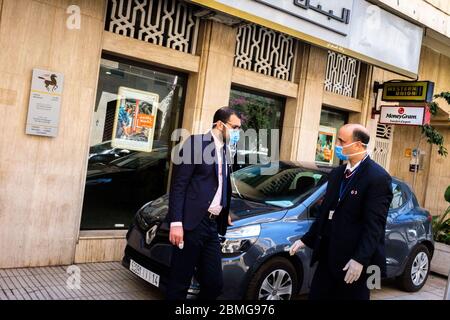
(332, 120)
(259, 112)
(287, 186)
(135, 104)
(398, 198)
(314, 209)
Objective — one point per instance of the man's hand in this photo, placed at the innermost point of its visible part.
(176, 235)
(229, 221)
(296, 246)
(354, 270)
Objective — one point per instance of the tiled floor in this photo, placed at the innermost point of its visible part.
(98, 281)
(111, 281)
(434, 289)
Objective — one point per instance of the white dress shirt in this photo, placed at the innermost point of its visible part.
(349, 166)
(215, 206)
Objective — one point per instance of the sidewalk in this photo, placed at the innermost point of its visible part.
(111, 281)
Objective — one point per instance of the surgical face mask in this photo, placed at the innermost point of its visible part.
(234, 135)
(343, 157)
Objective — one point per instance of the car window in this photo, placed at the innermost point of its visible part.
(314, 208)
(399, 197)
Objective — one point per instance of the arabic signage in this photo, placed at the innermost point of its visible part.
(353, 27)
(45, 103)
(335, 17)
(404, 115)
(417, 91)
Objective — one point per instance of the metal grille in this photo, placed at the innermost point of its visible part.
(168, 23)
(384, 131)
(265, 51)
(342, 74)
(383, 145)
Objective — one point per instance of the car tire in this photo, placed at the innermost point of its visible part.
(277, 268)
(419, 260)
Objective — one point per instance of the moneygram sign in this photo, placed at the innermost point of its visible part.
(413, 116)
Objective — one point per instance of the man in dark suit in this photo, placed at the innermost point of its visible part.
(199, 202)
(348, 235)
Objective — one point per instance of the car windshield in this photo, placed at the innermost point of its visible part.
(284, 186)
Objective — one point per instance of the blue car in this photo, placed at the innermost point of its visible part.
(273, 205)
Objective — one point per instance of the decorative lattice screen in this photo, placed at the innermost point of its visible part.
(265, 51)
(342, 74)
(168, 23)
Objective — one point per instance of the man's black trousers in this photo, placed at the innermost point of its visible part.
(202, 254)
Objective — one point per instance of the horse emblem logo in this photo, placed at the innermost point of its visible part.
(52, 82)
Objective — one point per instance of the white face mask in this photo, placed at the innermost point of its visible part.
(340, 155)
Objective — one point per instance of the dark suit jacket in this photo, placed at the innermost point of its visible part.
(194, 183)
(359, 221)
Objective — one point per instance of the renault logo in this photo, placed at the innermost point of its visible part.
(150, 235)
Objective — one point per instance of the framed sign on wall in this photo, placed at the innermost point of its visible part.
(44, 106)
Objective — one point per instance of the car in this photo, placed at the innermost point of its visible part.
(105, 153)
(117, 188)
(273, 205)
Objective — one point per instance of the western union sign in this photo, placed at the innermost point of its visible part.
(414, 91)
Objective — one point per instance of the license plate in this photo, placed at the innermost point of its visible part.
(144, 273)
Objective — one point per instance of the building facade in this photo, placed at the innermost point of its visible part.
(70, 198)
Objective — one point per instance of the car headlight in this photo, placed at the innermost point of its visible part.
(240, 239)
(140, 221)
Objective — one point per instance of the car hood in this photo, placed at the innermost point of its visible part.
(243, 212)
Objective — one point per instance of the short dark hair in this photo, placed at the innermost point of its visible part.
(360, 135)
(223, 114)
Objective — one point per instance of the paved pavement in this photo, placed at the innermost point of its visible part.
(111, 281)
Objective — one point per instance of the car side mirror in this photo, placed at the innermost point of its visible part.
(124, 152)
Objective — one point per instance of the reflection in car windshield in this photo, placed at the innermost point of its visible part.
(283, 187)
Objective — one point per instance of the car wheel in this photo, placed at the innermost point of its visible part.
(275, 280)
(416, 271)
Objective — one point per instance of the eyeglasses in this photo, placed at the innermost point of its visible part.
(234, 126)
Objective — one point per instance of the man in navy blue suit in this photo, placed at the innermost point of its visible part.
(199, 202)
(348, 235)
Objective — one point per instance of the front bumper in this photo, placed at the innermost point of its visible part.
(234, 267)
(234, 274)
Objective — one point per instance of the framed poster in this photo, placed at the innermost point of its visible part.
(135, 119)
(325, 145)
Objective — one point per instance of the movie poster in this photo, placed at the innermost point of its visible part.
(135, 119)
